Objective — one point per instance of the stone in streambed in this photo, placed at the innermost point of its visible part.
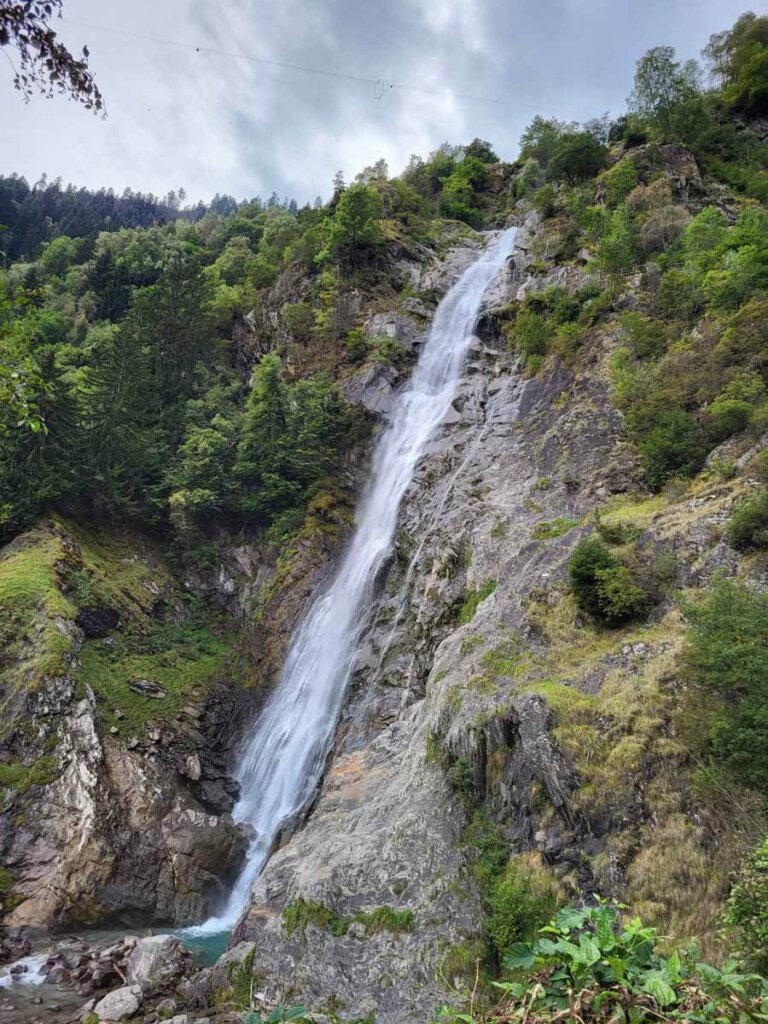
(122, 1002)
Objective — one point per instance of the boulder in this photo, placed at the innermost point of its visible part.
(393, 325)
(119, 1004)
(154, 960)
(372, 387)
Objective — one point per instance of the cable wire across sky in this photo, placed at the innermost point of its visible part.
(379, 85)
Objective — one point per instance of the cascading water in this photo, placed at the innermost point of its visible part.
(284, 757)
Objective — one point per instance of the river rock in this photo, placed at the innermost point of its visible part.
(118, 1004)
(154, 960)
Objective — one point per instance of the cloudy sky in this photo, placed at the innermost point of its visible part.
(185, 110)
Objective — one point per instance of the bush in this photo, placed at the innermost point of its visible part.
(597, 965)
(727, 655)
(748, 909)
(748, 526)
(519, 903)
(726, 417)
(619, 181)
(674, 447)
(603, 586)
(619, 597)
(588, 559)
(647, 338)
(680, 296)
(577, 158)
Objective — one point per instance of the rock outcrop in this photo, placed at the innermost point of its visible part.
(473, 669)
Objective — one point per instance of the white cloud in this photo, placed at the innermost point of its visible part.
(213, 122)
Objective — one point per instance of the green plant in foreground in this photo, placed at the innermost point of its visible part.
(592, 965)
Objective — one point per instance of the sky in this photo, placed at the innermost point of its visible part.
(184, 110)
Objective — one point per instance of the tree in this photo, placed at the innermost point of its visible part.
(123, 451)
(376, 172)
(481, 150)
(665, 90)
(738, 58)
(352, 234)
(577, 158)
(542, 137)
(45, 64)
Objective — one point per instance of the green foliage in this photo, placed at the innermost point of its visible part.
(352, 234)
(666, 93)
(727, 656)
(748, 525)
(589, 558)
(472, 600)
(577, 157)
(289, 440)
(520, 900)
(673, 447)
(597, 965)
(604, 587)
(739, 58)
(301, 913)
(747, 909)
(619, 181)
(553, 528)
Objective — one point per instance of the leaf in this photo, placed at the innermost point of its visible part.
(252, 1018)
(587, 952)
(618, 967)
(286, 1013)
(657, 986)
(520, 956)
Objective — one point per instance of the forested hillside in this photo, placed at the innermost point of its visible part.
(560, 697)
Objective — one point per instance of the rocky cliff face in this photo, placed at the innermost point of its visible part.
(479, 696)
(479, 688)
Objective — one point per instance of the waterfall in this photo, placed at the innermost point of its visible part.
(283, 759)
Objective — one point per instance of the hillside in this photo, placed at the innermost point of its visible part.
(557, 689)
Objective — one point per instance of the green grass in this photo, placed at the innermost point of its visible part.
(554, 528)
(472, 601)
(21, 778)
(184, 659)
(32, 644)
(301, 913)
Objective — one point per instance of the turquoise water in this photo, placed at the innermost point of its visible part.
(206, 949)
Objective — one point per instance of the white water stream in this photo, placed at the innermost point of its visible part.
(283, 760)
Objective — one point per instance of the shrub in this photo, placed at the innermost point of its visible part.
(672, 448)
(748, 526)
(679, 296)
(577, 158)
(662, 227)
(357, 345)
(598, 965)
(748, 908)
(589, 558)
(727, 654)
(647, 338)
(619, 181)
(604, 587)
(619, 597)
(726, 417)
(519, 903)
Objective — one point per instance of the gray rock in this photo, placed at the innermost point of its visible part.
(393, 325)
(154, 960)
(119, 1004)
(372, 387)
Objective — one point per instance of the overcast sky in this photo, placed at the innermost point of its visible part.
(212, 122)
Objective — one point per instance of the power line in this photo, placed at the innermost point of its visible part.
(379, 85)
